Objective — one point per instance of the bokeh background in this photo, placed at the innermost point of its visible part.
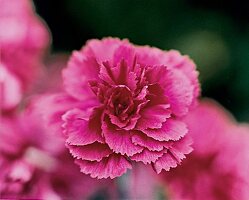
(215, 33)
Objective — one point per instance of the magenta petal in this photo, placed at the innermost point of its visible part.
(153, 116)
(120, 140)
(174, 155)
(107, 73)
(132, 122)
(92, 152)
(142, 94)
(118, 75)
(173, 60)
(182, 147)
(123, 76)
(157, 74)
(147, 156)
(180, 92)
(165, 162)
(155, 110)
(77, 74)
(172, 129)
(102, 50)
(149, 143)
(112, 166)
(126, 52)
(115, 120)
(187, 66)
(77, 129)
(150, 55)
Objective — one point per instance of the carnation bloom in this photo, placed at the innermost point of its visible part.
(34, 164)
(218, 166)
(23, 40)
(123, 104)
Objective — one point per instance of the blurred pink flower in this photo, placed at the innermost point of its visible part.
(124, 104)
(35, 164)
(10, 89)
(233, 163)
(24, 152)
(23, 41)
(52, 75)
(218, 166)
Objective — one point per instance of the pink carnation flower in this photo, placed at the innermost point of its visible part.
(218, 166)
(23, 40)
(124, 104)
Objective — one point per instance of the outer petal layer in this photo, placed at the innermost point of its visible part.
(91, 152)
(120, 141)
(112, 166)
(78, 130)
(170, 130)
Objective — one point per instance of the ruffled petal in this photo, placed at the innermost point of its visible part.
(165, 162)
(157, 74)
(147, 142)
(172, 129)
(153, 116)
(179, 91)
(118, 75)
(181, 148)
(112, 166)
(106, 73)
(156, 110)
(125, 77)
(150, 56)
(91, 152)
(103, 50)
(172, 59)
(187, 66)
(174, 155)
(125, 52)
(147, 156)
(120, 140)
(80, 131)
(80, 70)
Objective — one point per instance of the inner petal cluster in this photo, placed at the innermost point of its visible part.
(120, 102)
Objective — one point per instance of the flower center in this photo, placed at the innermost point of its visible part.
(120, 101)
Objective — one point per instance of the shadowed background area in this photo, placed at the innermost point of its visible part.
(214, 33)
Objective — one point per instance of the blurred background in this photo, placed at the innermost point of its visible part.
(214, 33)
